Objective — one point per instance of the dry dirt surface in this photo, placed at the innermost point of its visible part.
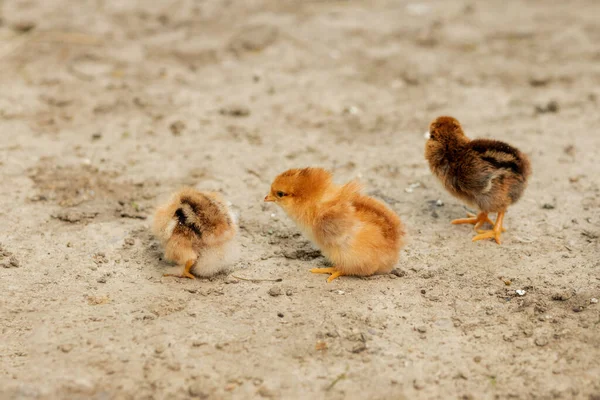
(108, 106)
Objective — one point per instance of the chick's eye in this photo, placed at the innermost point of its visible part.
(280, 194)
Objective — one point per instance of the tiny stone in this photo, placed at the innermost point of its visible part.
(422, 329)
(541, 341)
(197, 390)
(578, 308)
(176, 128)
(175, 366)
(159, 349)
(235, 111)
(562, 295)
(398, 272)
(548, 206)
(198, 343)
(231, 280)
(594, 300)
(65, 348)
(275, 291)
(102, 279)
(359, 348)
(418, 384)
(289, 292)
(423, 291)
(263, 391)
(23, 26)
(477, 359)
(280, 315)
(14, 262)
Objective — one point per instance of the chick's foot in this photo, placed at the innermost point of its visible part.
(335, 273)
(493, 233)
(473, 219)
(186, 271)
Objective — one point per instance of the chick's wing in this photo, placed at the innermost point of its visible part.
(473, 175)
(336, 219)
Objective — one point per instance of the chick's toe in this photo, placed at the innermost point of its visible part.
(493, 233)
(335, 273)
(477, 220)
(186, 271)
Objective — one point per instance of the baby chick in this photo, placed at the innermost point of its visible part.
(359, 234)
(197, 230)
(488, 174)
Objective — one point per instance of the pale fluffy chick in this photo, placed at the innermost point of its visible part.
(358, 234)
(197, 230)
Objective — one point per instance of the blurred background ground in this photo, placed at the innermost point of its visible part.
(107, 106)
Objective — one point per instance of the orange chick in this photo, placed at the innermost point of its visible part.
(358, 234)
(484, 173)
(197, 231)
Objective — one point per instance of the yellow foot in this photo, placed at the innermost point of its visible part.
(473, 219)
(335, 273)
(493, 233)
(186, 271)
(183, 275)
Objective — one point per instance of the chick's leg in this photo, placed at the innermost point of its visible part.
(473, 219)
(494, 233)
(335, 273)
(186, 271)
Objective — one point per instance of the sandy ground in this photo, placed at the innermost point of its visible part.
(108, 106)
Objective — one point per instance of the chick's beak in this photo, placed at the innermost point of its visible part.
(269, 198)
(427, 135)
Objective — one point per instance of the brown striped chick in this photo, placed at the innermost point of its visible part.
(358, 234)
(487, 174)
(197, 230)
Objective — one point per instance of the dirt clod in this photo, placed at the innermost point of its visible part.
(275, 291)
(235, 110)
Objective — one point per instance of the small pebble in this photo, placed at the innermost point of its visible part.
(197, 390)
(398, 272)
(520, 292)
(423, 291)
(562, 295)
(23, 26)
(160, 349)
(594, 300)
(359, 348)
(102, 279)
(236, 110)
(541, 341)
(263, 391)
(418, 384)
(66, 348)
(280, 315)
(422, 328)
(275, 291)
(176, 128)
